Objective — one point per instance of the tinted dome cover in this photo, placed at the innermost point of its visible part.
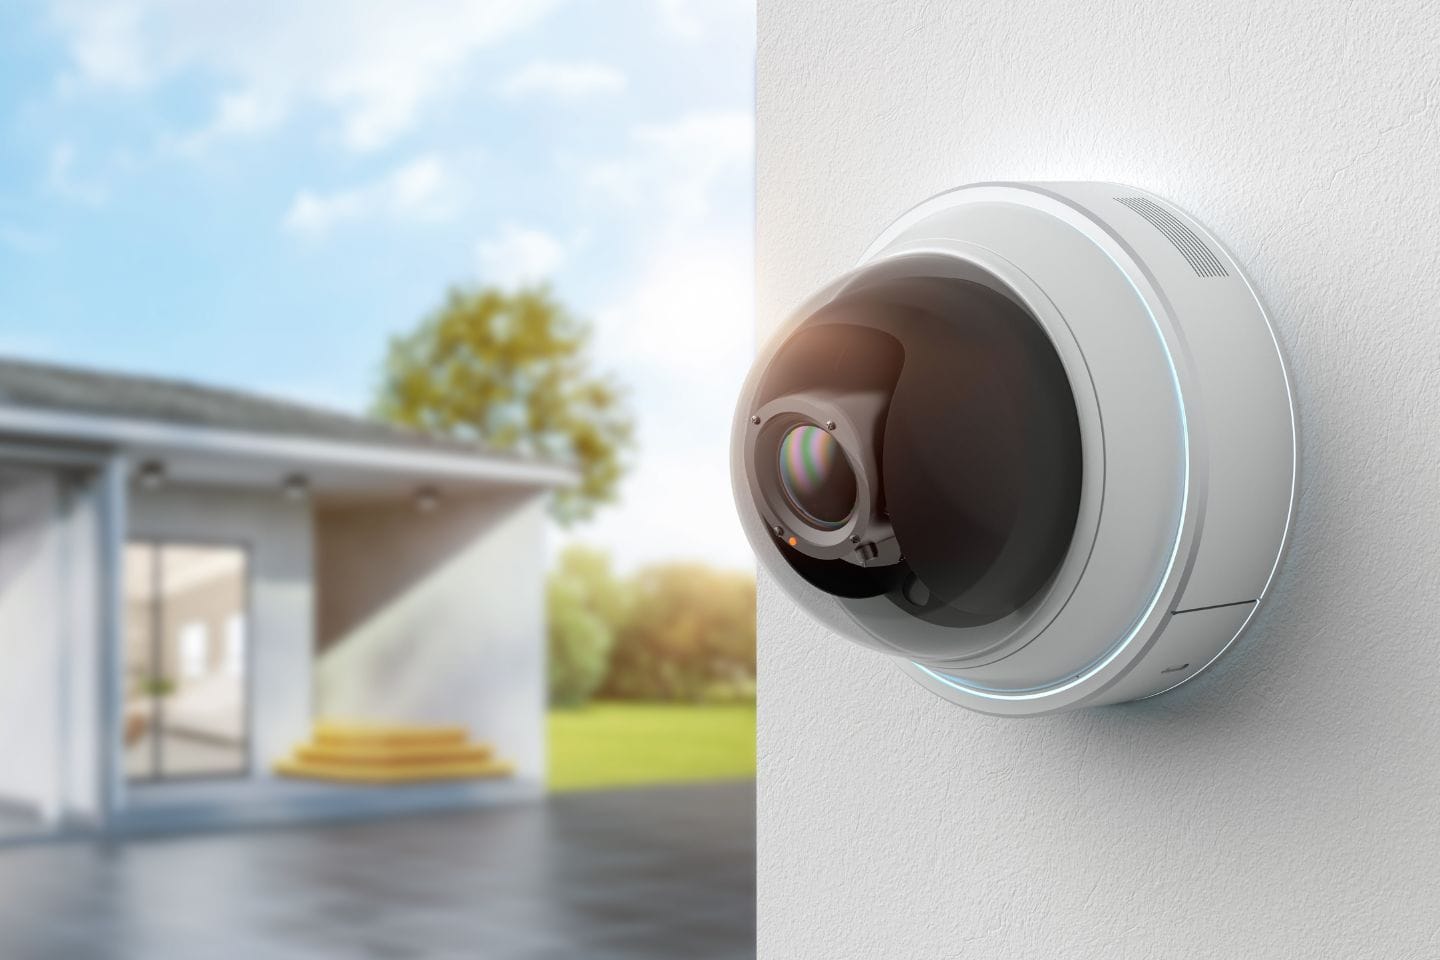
(979, 456)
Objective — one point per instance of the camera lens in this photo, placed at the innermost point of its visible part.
(816, 476)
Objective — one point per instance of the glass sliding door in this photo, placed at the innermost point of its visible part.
(186, 661)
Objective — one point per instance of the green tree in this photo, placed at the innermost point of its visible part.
(585, 604)
(512, 371)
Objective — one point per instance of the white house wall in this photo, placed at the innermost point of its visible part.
(1283, 805)
(437, 617)
(277, 532)
(32, 597)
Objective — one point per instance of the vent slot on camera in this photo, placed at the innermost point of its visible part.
(1191, 247)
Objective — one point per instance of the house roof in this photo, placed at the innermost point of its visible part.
(114, 406)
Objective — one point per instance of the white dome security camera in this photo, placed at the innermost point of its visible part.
(1038, 446)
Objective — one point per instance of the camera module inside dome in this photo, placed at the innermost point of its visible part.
(916, 438)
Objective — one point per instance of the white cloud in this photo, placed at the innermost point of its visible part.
(519, 255)
(694, 20)
(563, 81)
(62, 180)
(423, 190)
(374, 65)
(106, 41)
(236, 115)
(679, 165)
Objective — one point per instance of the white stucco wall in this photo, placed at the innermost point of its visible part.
(49, 648)
(31, 638)
(277, 533)
(437, 617)
(1284, 805)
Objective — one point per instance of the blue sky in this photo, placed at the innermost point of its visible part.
(259, 194)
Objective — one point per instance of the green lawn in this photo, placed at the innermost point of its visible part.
(624, 744)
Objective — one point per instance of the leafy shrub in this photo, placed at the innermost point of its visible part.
(584, 601)
(579, 651)
(690, 632)
(678, 631)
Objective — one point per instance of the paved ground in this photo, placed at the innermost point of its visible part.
(638, 874)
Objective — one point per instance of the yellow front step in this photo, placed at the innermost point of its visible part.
(380, 773)
(373, 735)
(384, 754)
(419, 754)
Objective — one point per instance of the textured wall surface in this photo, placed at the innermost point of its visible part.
(31, 637)
(1287, 804)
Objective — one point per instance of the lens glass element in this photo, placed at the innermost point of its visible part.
(816, 477)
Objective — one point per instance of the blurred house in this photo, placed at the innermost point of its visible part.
(191, 577)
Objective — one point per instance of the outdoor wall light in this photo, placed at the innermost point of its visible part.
(296, 487)
(151, 475)
(427, 499)
(1038, 446)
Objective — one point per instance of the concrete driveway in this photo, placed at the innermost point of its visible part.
(651, 873)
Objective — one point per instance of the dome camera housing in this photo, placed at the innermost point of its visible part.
(1038, 446)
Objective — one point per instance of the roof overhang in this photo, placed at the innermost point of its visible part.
(238, 458)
